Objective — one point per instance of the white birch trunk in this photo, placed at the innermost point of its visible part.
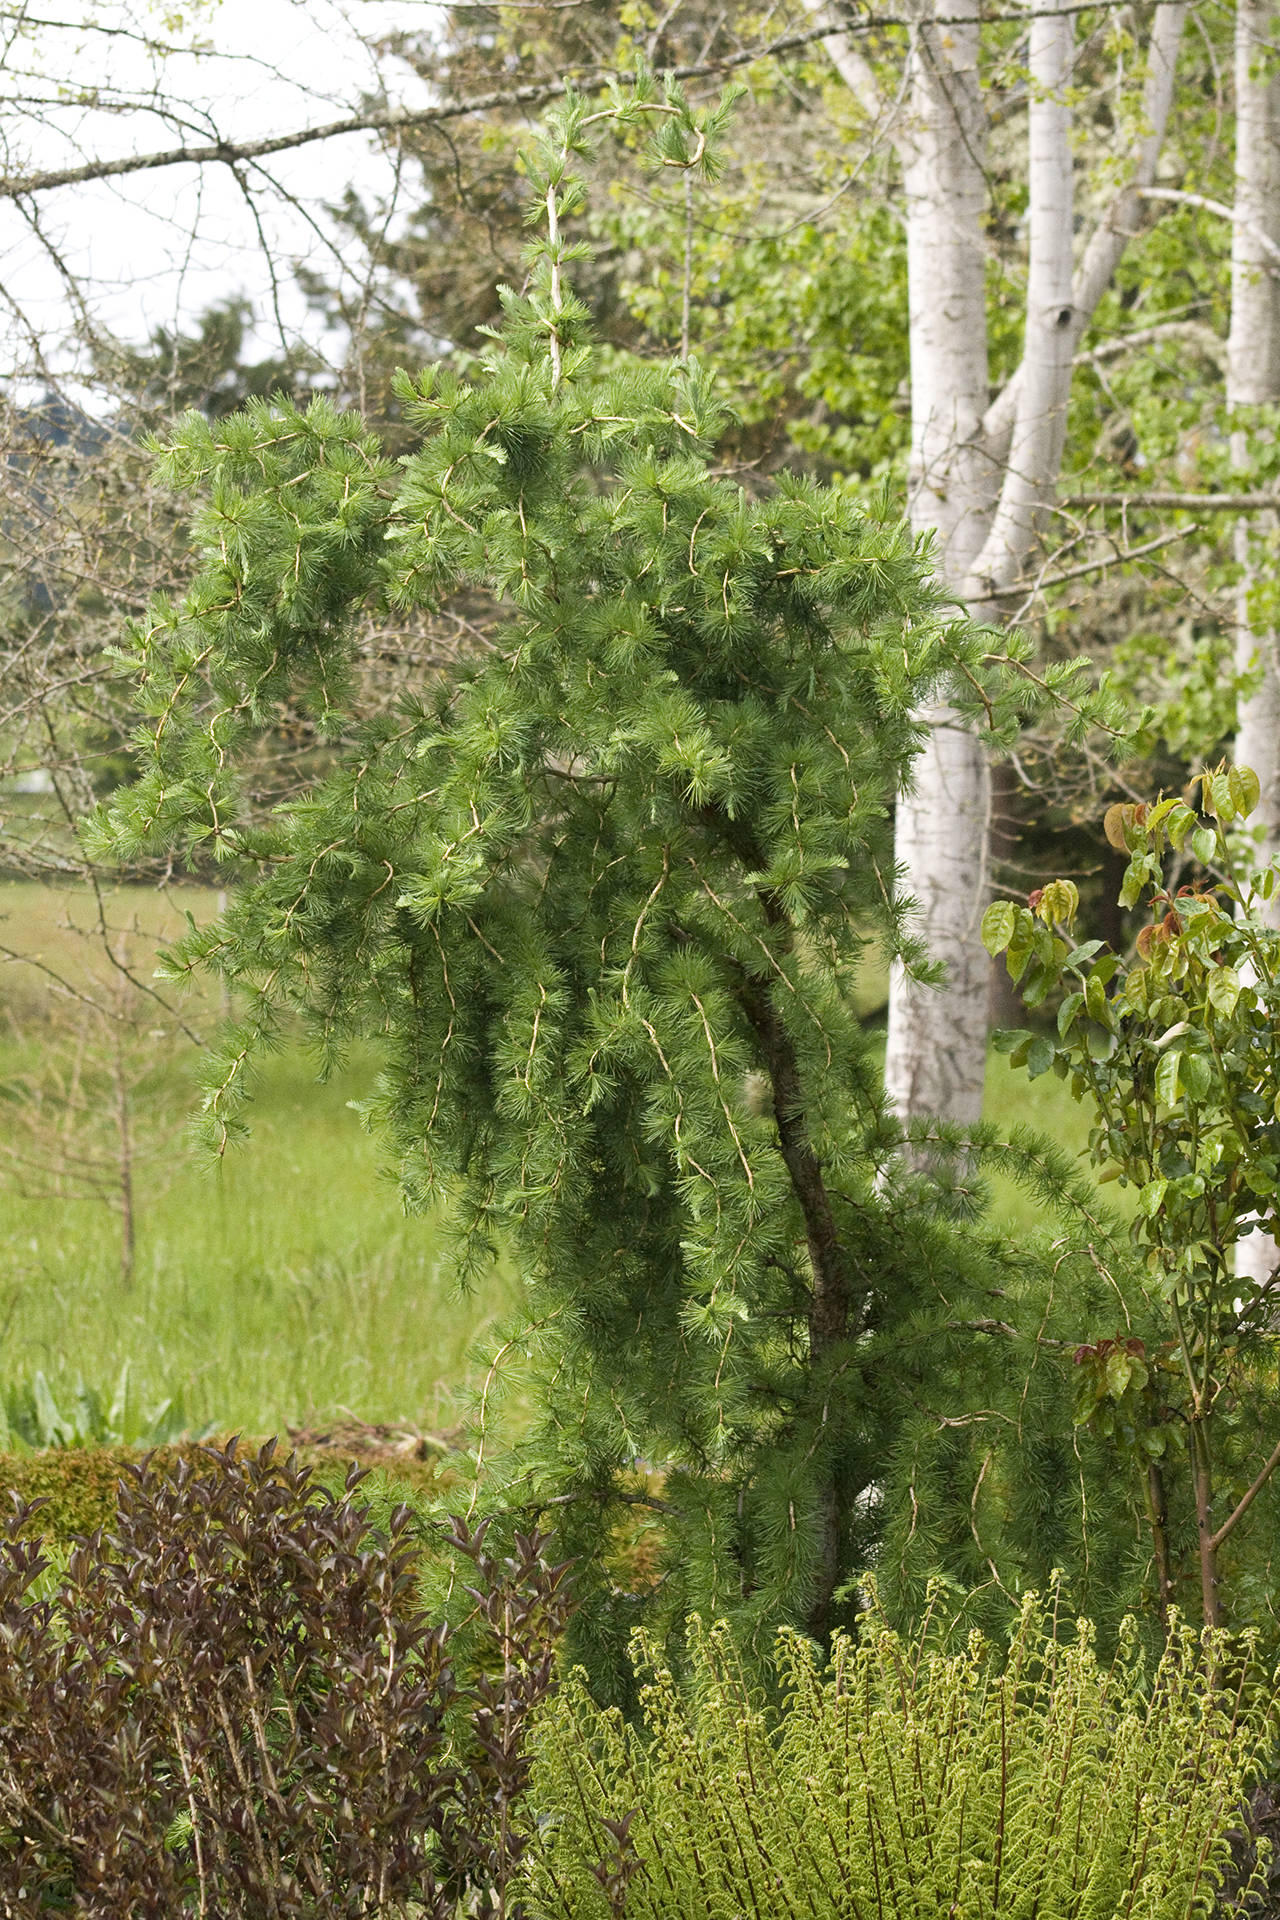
(983, 472)
(1253, 380)
(987, 489)
(1039, 430)
(937, 1048)
(937, 1040)
(1253, 370)
(1106, 245)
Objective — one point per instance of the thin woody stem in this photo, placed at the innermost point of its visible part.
(1158, 1514)
(1247, 1499)
(557, 292)
(1202, 1478)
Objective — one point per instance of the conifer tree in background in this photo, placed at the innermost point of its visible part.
(604, 902)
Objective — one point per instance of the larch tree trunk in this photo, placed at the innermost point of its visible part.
(1253, 380)
(983, 469)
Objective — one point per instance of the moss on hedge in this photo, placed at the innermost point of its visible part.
(78, 1484)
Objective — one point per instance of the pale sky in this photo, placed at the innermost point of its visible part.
(162, 246)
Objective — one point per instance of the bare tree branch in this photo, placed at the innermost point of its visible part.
(1196, 333)
(386, 120)
(1027, 589)
(1179, 502)
(1179, 197)
(534, 94)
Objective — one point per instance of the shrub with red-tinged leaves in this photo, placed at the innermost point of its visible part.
(234, 1704)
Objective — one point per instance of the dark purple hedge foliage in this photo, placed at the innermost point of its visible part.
(234, 1704)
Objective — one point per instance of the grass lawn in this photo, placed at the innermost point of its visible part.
(286, 1285)
(282, 1287)
(1046, 1105)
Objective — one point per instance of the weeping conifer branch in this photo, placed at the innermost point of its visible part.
(590, 899)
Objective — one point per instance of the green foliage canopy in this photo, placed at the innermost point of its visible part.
(604, 899)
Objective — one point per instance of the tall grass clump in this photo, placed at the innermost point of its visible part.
(895, 1782)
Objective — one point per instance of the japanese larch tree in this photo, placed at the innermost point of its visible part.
(603, 900)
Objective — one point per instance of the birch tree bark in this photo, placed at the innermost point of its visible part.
(1253, 373)
(983, 469)
(1039, 430)
(942, 823)
(1253, 380)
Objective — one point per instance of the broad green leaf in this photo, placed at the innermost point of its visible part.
(1197, 1075)
(1039, 1056)
(118, 1415)
(1181, 821)
(1167, 1074)
(998, 923)
(1119, 1371)
(1245, 788)
(1224, 991)
(54, 1430)
(1059, 902)
(1221, 803)
(1040, 979)
(1134, 879)
(1017, 958)
(1067, 1012)
(1089, 1391)
(1204, 844)
(1151, 1198)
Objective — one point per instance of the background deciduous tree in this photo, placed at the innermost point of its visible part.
(985, 460)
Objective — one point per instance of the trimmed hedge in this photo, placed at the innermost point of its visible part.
(80, 1484)
(244, 1707)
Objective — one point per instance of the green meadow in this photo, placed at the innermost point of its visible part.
(285, 1285)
